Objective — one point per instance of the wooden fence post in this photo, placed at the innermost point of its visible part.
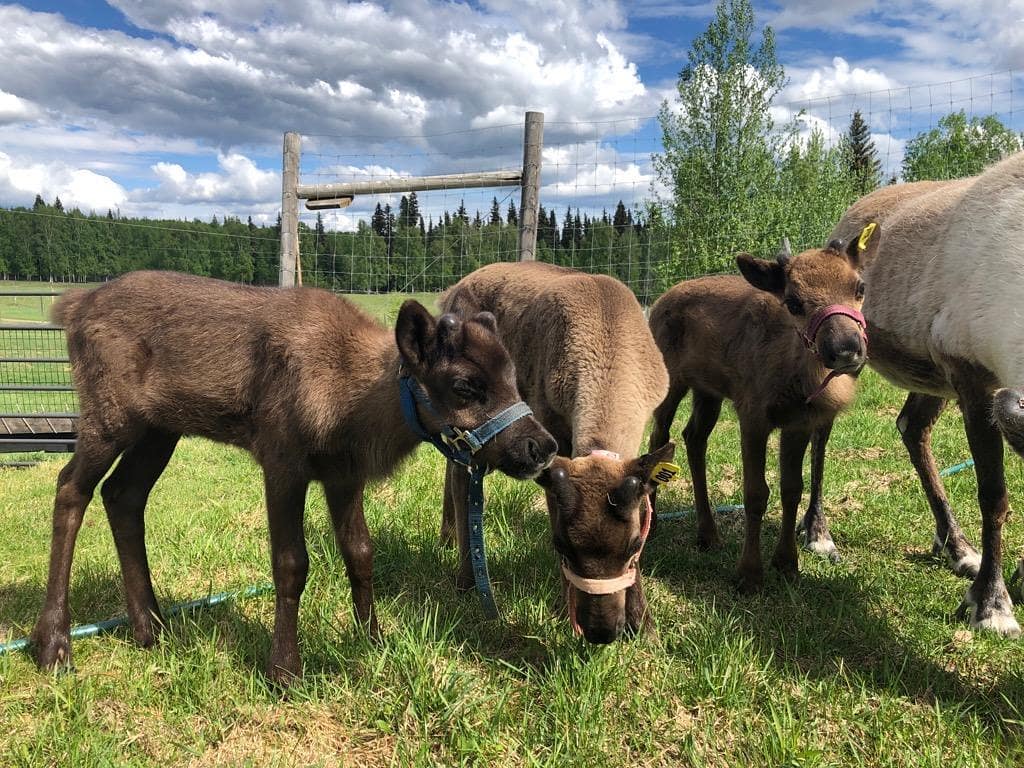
(289, 209)
(533, 143)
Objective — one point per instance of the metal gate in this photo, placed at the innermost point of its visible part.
(38, 406)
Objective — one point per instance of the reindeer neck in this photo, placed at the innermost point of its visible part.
(376, 425)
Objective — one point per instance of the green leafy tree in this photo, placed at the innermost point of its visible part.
(720, 146)
(958, 147)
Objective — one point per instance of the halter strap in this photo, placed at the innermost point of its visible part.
(611, 585)
(810, 337)
(453, 443)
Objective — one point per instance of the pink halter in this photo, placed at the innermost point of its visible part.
(810, 336)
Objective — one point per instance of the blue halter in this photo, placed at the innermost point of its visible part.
(460, 446)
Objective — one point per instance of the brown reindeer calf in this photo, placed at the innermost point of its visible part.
(303, 380)
(750, 339)
(588, 367)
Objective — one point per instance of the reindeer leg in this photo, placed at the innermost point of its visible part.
(660, 433)
(754, 438)
(792, 446)
(345, 502)
(814, 525)
(703, 418)
(125, 494)
(286, 501)
(987, 600)
(51, 639)
(915, 422)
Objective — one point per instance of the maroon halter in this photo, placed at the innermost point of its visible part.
(810, 336)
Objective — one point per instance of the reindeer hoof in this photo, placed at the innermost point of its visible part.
(992, 614)
(787, 569)
(707, 542)
(962, 559)
(464, 582)
(51, 650)
(823, 547)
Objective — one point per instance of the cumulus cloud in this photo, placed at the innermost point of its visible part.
(76, 187)
(238, 181)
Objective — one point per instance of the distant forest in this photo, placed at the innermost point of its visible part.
(394, 251)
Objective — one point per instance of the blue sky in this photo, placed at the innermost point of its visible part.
(177, 109)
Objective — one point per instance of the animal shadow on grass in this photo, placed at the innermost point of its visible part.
(416, 573)
(820, 622)
(97, 595)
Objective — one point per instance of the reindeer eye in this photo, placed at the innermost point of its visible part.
(860, 289)
(794, 305)
(466, 389)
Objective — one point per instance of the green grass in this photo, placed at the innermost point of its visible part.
(860, 663)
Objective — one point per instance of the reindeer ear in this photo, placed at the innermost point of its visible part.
(461, 300)
(764, 275)
(415, 330)
(863, 248)
(487, 320)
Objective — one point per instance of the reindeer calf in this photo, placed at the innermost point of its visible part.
(746, 339)
(303, 380)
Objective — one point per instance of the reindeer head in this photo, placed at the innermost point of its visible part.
(600, 518)
(469, 377)
(822, 291)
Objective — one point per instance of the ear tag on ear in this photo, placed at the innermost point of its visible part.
(663, 472)
(865, 236)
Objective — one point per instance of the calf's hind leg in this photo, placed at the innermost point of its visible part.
(125, 494)
(661, 432)
(50, 639)
(706, 409)
(915, 422)
(286, 500)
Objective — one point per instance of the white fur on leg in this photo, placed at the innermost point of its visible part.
(823, 548)
(967, 565)
(1002, 623)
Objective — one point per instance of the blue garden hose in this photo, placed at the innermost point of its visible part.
(88, 630)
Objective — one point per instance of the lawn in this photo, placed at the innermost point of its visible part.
(860, 663)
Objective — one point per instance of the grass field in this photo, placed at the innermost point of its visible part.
(860, 663)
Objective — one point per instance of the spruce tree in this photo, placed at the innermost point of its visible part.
(861, 156)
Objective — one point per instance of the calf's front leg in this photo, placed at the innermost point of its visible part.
(754, 439)
(345, 503)
(814, 525)
(792, 446)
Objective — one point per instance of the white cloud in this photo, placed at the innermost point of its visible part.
(14, 109)
(836, 80)
(239, 181)
(76, 187)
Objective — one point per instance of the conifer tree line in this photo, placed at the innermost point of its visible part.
(735, 181)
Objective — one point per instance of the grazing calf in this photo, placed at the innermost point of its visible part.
(943, 307)
(587, 366)
(751, 340)
(300, 378)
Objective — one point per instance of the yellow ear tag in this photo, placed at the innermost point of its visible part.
(663, 472)
(865, 236)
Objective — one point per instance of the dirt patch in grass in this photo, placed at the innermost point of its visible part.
(285, 736)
